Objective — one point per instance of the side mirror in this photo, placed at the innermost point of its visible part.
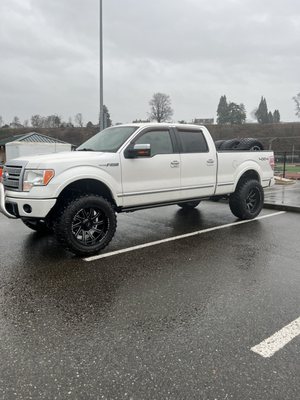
(138, 150)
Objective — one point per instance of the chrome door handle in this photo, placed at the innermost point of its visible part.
(210, 161)
(174, 164)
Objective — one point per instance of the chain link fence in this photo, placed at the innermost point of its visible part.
(287, 164)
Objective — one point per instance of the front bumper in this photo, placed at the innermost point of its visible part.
(2, 203)
(13, 207)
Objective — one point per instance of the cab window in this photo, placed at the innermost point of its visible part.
(192, 141)
(160, 142)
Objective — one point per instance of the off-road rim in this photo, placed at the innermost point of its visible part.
(90, 225)
(255, 148)
(253, 200)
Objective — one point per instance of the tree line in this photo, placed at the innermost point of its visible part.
(235, 114)
(55, 121)
(161, 110)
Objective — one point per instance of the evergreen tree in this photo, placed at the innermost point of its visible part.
(222, 111)
(276, 117)
(106, 114)
(262, 114)
(270, 117)
(297, 101)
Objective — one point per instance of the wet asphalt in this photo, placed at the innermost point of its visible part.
(173, 321)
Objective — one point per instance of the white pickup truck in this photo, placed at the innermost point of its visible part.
(126, 168)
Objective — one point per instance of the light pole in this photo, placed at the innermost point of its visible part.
(101, 115)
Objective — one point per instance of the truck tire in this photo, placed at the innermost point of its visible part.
(248, 199)
(250, 144)
(229, 144)
(86, 224)
(189, 205)
(38, 225)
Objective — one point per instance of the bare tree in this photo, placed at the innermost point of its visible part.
(26, 123)
(297, 101)
(37, 121)
(78, 120)
(16, 123)
(1, 121)
(161, 109)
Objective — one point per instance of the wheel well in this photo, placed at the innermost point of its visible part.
(251, 174)
(86, 186)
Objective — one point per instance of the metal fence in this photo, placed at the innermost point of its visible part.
(287, 164)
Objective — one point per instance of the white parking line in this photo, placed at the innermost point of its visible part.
(270, 346)
(186, 235)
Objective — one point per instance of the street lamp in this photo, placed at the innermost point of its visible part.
(101, 115)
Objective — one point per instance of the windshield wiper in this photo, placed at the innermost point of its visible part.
(84, 149)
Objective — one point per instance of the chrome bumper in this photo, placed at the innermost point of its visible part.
(2, 203)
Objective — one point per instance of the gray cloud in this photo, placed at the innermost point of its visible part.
(193, 50)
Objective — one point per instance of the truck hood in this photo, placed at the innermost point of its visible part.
(73, 157)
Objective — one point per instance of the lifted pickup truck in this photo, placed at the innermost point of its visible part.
(127, 168)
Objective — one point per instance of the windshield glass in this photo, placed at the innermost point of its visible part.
(108, 140)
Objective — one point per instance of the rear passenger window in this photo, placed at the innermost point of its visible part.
(192, 142)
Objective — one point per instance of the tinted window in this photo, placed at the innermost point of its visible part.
(160, 142)
(192, 142)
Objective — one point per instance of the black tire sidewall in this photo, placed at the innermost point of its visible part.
(237, 200)
(63, 227)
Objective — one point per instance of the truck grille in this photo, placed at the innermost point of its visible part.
(12, 177)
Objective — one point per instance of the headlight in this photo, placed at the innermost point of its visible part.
(36, 177)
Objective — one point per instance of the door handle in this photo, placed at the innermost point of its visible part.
(210, 161)
(174, 164)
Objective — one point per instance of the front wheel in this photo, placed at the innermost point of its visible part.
(188, 205)
(86, 225)
(248, 199)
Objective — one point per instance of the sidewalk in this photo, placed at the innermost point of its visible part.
(281, 197)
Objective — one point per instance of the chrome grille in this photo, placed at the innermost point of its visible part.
(12, 177)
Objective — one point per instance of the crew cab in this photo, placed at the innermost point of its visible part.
(126, 168)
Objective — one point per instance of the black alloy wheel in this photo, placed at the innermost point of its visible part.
(90, 225)
(86, 224)
(253, 200)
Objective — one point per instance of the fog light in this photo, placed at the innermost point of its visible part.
(27, 208)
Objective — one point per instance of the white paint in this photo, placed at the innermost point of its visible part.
(270, 346)
(186, 235)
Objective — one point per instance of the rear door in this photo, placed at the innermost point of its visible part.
(198, 164)
(154, 179)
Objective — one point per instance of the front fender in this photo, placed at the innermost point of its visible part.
(65, 178)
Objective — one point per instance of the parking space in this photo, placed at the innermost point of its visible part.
(175, 320)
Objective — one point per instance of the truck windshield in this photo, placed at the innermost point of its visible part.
(108, 140)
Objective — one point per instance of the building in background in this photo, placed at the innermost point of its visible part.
(32, 143)
(203, 121)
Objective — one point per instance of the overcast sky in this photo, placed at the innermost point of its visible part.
(193, 50)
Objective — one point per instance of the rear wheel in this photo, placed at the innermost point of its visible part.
(188, 205)
(86, 225)
(38, 225)
(247, 200)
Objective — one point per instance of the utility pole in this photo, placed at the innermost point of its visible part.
(101, 115)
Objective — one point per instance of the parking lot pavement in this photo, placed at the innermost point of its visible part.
(176, 320)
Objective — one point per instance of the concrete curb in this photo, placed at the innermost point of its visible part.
(281, 207)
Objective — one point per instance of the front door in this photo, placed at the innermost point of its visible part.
(154, 179)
